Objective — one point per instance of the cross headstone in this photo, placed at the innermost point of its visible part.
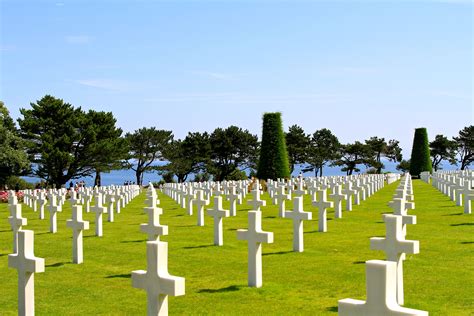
(337, 197)
(27, 265)
(348, 191)
(200, 201)
(74, 198)
(381, 294)
(468, 196)
(300, 191)
(255, 237)
(110, 196)
(298, 215)
(218, 213)
(53, 211)
(16, 222)
(156, 280)
(153, 227)
(42, 203)
(256, 202)
(232, 196)
(78, 226)
(322, 204)
(98, 209)
(189, 201)
(395, 246)
(281, 197)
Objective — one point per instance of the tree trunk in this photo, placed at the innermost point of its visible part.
(98, 179)
(321, 171)
(138, 175)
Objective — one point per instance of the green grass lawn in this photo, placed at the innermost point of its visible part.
(440, 279)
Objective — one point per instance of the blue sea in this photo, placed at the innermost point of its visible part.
(118, 177)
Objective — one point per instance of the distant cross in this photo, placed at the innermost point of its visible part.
(218, 213)
(27, 265)
(78, 226)
(98, 209)
(395, 247)
(189, 201)
(232, 196)
(381, 294)
(298, 215)
(300, 191)
(153, 228)
(255, 237)
(16, 222)
(281, 197)
(337, 197)
(349, 191)
(256, 203)
(217, 190)
(200, 201)
(42, 203)
(53, 211)
(468, 196)
(322, 204)
(156, 281)
(74, 199)
(110, 196)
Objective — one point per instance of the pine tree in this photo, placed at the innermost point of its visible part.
(420, 155)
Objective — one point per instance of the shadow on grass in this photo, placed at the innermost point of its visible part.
(463, 224)
(358, 262)
(119, 276)
(132, 241)
(57, 264)
(5, 231)
(197, 247)
(277, 253)
(187, 226)
(332, 309)
(3, 254)
(270, 217)
(462, 242)
(232, 229)
(311, 232)
(45, 233)
(179, 215)
(231, 288)
(90, 236)
(453, 214)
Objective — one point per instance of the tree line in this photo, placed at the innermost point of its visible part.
(58, 142)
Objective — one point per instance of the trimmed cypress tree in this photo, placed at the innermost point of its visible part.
(273, 161)
(420, 153)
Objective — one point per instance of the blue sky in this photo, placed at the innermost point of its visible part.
(359, 68)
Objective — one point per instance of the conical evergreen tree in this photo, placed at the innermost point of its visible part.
(420, 153)
(273, 161)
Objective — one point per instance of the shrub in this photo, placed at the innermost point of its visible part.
(273, 161)
(420, 155)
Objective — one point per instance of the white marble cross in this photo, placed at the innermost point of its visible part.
(337, 197)
(322, 204)
(232, 196)
(16, 222)
(74, 198)
(468, 196)
(218, 213)
(42, 203)
(78, 226)
(98, 209)
(189, 201)
(395, 247)
(255, 237)
(300, 191)
(53, 211)
(153, 227)
(27, 265)
(110, 198)
(348, 191)
(298, 215)
(200, 201)
(281, 197)
(256, 203)
(157, 281)
(381, 294)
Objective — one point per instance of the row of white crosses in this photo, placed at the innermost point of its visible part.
(458, 185)
(23, 258)
(384, 279)
(156, 280)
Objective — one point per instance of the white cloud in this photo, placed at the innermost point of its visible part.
(78, 39)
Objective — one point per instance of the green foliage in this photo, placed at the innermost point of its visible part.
(237, 175)
(66, 143)
(297, 143)
(145, 147)
(465, 146)
(13, 158)
(378, 148)
(324, 147)
(442, 149)
(231, 148)
(273, 161)
(404, 166)
(17, 182)
(190, 155)
(420, 154)
(352, 155)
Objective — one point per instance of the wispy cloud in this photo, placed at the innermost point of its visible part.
(78, 39)
(214, 75)
(238, 98)
(107, 84)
